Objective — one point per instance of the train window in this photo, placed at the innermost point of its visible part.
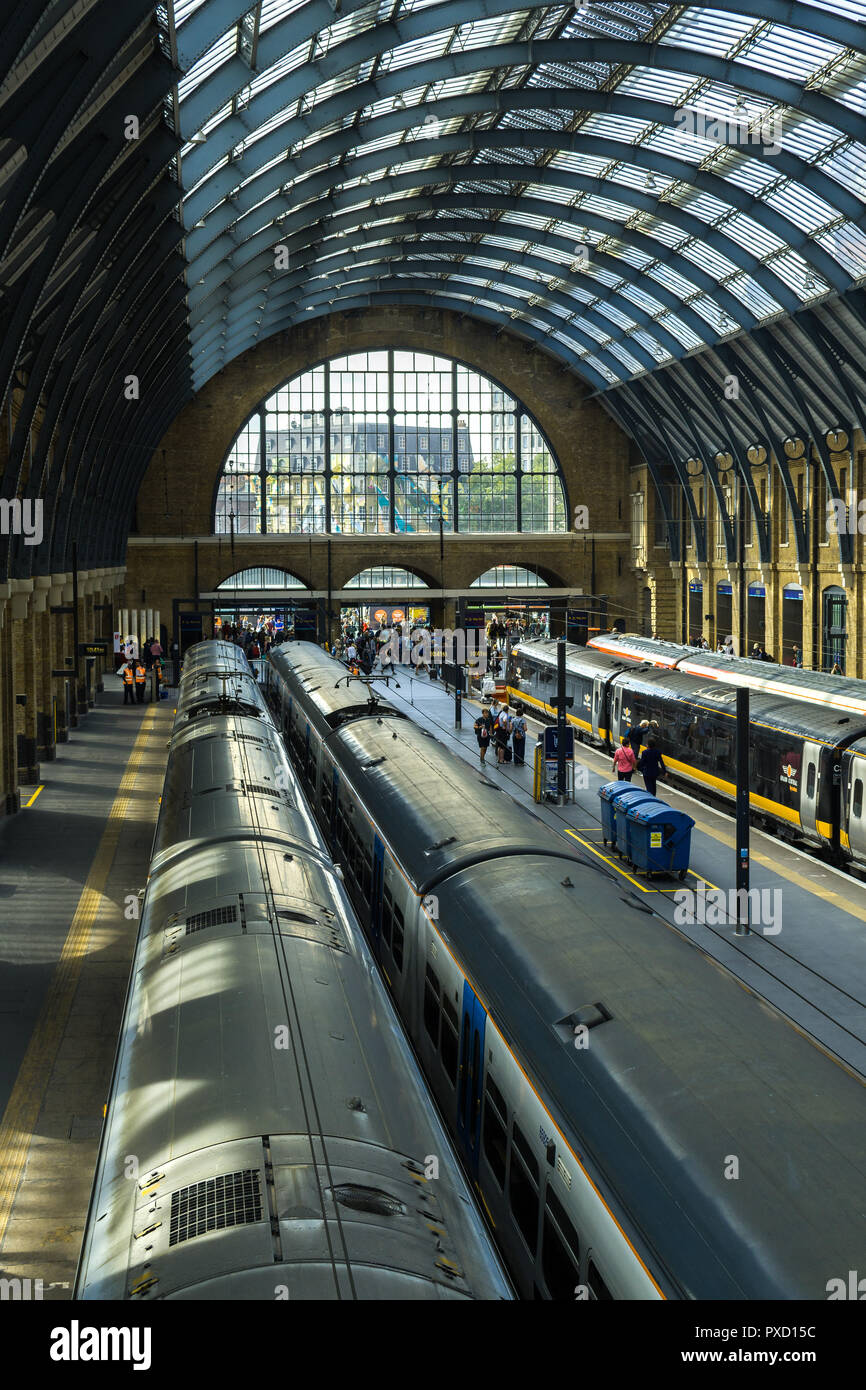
(597, 1287)
(561, 1272)
(523, 1197)
(448, 1044)
(521, 1143)
(432, 1011)
(566, 1229)
(497, 1097)
(810, 781)
(857, 807)
(397, 949)
(495, 1140)
(387, 909)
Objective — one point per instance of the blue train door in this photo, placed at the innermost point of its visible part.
(471, 1074)
(376, 891)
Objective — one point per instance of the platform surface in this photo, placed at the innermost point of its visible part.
(71, 866)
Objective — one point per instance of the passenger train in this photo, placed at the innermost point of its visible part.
(269, 1134)
(599, 1073)
(807, 756)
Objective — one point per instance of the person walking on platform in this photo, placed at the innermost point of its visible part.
(624, 762)
(128, 675)
(651, 765)
(140, 681)
(518, 738)
(482, 734)
(501, 735)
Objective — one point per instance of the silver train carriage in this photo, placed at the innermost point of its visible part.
(793, 682)
(269, 1134)
(796, 746)
(599, 1073)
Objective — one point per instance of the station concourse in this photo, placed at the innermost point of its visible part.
(326, 321)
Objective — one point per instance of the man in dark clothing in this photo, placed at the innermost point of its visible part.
(652, 766)
(127, 673)
(636, 736)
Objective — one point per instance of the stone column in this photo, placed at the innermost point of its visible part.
(24, 682)
(44, 637)
(11, 800)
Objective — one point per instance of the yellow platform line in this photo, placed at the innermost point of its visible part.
(612, 863)
(28, 1093)
(34, 796)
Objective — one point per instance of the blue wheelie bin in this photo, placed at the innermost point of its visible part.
(632, 796)
(610, 794)
(659, 838)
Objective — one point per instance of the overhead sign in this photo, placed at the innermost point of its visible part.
(757, 591)
(98, 648)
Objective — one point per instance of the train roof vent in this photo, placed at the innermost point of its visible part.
(261, 790)
(370, 1199)
(291, 916)
(232, 1199)
(587, 1016)
(440, 844)
(252, 738)
(215, 917)
(374, 762)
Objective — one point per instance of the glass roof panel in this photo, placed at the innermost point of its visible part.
(642, 216)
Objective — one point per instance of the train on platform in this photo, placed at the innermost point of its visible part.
(269, 1134)
(807, 756)
(599, 1073)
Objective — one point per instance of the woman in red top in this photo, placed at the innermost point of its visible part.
(624, 762)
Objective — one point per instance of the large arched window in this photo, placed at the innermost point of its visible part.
(390, 441)
(261, 579)
(509, 577)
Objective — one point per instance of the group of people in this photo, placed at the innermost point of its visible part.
(497, 726)
(629, 758)
(134, 672)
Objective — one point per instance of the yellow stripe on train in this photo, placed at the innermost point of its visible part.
(760, 803)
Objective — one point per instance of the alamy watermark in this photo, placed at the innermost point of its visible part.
(715, 907)
(457, 647)
(19, 518)
(846, 516)
(738, 127)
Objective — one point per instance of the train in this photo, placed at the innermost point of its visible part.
(605, 1082)
(268, 1134)
(807, 758)
(792, 682)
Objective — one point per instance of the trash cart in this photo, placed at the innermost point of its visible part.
(610, 794)
(632, 796)
(659, 838)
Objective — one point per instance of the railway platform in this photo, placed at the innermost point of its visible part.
(71, 865)
(806, 954)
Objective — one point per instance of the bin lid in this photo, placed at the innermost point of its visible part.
(632, 795)
(659, 812)
(612, 790)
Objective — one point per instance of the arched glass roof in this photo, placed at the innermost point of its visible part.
(628, 182)
(669, 199)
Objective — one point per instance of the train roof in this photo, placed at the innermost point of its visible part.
(436, 812)
(815, 687)
(579, 660)
(683, 1068)
(334, 694)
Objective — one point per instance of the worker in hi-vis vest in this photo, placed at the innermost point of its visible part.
(128, 676)
(140, 681)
